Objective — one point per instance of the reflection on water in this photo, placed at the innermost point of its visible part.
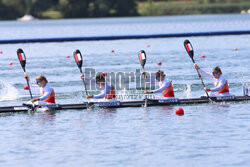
(167, 109)
(43, 117)
(48, 117)
(107, 113)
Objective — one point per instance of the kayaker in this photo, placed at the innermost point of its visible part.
(166, 86)
(221, 84)
(108, 89)
(46, 91)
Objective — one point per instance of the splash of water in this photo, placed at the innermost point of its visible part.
(188, 91)
(8, 91)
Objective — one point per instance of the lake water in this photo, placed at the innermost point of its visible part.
(207, 135)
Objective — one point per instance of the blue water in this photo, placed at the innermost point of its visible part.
(207, 135)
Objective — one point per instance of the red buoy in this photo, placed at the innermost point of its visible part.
(148, 46)
(235, 49)
(10, 63)
(1, 52)
(67, 56)
(112, 51)
(104, 74)
(159, 63)
(26, 87)
(179, 112)
(203, 56)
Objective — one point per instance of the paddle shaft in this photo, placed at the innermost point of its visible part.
(84, 82)
(145, 87)
(27, 83)
(142, 59)
(200, 77)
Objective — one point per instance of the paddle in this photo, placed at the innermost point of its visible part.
(142, 58)
(22, 59)
(189, 48)
(78, 59)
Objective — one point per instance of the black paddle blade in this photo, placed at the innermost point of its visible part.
(189, 48)
(142, 57)
(21, 57)
(78, 58)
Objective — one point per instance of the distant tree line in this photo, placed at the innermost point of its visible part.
(13, 9)
(183, 7)
(97, 8)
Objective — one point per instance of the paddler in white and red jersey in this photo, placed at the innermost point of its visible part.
(46, 91)
(221, 85)
(166, 86)
(108, 89)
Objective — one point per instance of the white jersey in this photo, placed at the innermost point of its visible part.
(106, 89)
(163, 85)
(44, 92)
(218, 84)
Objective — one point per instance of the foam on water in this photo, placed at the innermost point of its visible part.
(8, 91)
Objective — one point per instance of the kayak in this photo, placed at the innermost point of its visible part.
(121, 104)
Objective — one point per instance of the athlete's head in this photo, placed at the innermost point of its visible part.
(41, 80)
(99, 78)
(159, 75)
(216, 72)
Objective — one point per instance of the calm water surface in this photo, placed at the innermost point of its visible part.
(207, 135)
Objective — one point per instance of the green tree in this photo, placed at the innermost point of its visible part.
(18, 8)
(2, 10)
(124, 8)
(11, 9)
(97, 8)
(36, 7)
(74, 8)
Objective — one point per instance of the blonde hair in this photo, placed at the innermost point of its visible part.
(42, 78)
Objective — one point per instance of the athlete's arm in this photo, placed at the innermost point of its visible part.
(164, 86)
(104, 93)
(220, 85)
(33, 86)
(206, 74)
(87, 79)
(46, 94)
